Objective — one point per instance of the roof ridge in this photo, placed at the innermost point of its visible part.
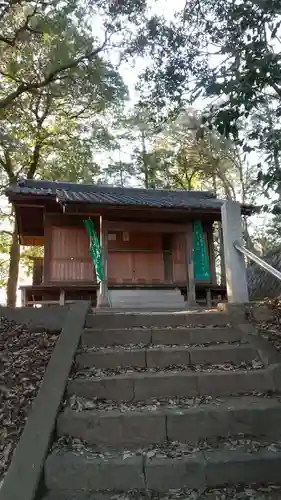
(80, 187)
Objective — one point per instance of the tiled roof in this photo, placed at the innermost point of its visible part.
(67, 192)
(139, 197)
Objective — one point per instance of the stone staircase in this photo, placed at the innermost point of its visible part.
(147, 299)
(160, 402)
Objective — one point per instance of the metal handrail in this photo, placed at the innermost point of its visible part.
(257, 260)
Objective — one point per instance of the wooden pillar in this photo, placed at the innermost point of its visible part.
(191, 295)
(212, 257)
(48, 236)
(103, 295)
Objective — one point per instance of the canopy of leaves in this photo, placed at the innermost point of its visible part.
(58, 88)
(229, 53)
(52, 42)
(56, 85)
(227, 49)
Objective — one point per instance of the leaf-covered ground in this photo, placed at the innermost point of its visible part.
(271, 329)
(23, 360)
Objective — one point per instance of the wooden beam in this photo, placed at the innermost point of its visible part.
(74, 220)
(146, 227)
(29, 205)
(32, 241)
(74, 214)
(135, 210)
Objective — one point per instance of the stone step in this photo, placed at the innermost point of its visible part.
(164, 356)
(71, 470)
(251, 491)
(160, 299)
(107, 320)
(159, 336)
(133, 386)
(116, 428)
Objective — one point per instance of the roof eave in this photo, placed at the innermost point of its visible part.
(19, 197)
(113, 206)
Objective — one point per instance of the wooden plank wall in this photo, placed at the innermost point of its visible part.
(67, 256)
(136, 256)
(70, 258)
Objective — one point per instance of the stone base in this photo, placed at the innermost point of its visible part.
(103, 301)
(259, 310)
(237, 311)
(191, 303)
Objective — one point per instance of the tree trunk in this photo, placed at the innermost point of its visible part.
(144, 161)
(14, 253)
(12, 283)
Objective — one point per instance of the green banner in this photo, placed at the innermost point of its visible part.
(95, 249)
(200, 254)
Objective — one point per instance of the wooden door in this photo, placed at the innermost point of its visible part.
(119, 267)
(135, 258)
(70, 258)
(148, 267)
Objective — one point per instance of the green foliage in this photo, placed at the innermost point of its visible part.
(51, 43)
(182, 154)
(28, 255)
(5, 242)
(229, 53)
(218, 48)
(273, 233)
(119, 173)
(58, 86)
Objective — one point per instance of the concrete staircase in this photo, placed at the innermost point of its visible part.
(160, 402)
(147, 299)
